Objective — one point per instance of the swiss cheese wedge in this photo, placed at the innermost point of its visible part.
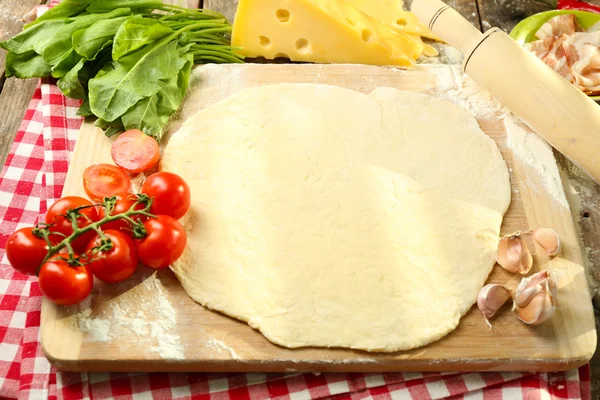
(323, 31)
(390, 12)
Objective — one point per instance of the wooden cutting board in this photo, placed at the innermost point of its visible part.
(149, 324)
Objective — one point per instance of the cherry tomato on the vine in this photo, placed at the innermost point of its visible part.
(56, 218)
(134, 151)
(116, 264)
(105, 180)
(171, 194)
(164, 244)
(124, 202)
(25, 251)
(64, 284)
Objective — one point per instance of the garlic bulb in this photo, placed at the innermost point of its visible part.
(548, 239)
(490, 299)
(513, 254)
(535, 298)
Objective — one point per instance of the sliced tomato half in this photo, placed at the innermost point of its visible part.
(134, 151)
(105, 180)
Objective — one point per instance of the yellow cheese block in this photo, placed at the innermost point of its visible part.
(324, 31)
(390, 12)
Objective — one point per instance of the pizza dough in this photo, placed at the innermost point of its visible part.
(326, 217)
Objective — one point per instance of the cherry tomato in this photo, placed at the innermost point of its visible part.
(104, 180)
(25, 251)
(123, 204)
(164, 244)
(171, 194)
(116, 264)
(64, 284)
(56, 218)
(134, 151)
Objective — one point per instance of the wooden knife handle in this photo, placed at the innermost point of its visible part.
(445, 22)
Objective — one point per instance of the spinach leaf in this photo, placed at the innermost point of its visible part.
(66, 8)
(145, 82)
(89, 70)
(84, 109)
(118, 86)
(37, 36)
(108, 5)
(26, 65)
(110, 128)
(61, 44)
(152, 113)
(135, 33)
(70, 84)
(65, 64)
(89, 42)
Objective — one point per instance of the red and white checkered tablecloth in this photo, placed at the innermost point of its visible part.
(33, 177)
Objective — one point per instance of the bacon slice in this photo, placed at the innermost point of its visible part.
(570, 51)
(556, 58)
(586, 71)
(540, 47)
(557, 26)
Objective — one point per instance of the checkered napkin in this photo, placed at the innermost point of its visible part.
(33, 178)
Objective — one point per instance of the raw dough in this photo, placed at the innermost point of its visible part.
(326, 217)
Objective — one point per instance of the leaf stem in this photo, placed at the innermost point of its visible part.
(95, 226)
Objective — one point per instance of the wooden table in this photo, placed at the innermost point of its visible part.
(15, 95)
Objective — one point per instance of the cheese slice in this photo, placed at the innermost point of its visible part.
(390, 12)
(324, 31)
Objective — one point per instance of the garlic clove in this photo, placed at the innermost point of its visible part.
(529, 287)
(539, 310)
(548, 239)
(490, 299)
(513, 254)
(535, 298)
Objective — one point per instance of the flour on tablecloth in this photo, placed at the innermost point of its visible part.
(154, 322)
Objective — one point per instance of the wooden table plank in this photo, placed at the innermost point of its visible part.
(15, 94)
(185, 3)
(491, 15)
(225, 7)
(14, 99)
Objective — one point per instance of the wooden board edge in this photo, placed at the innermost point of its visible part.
(458, 365)
(574, 321)
(60, 339)
(63, 349)
(584, 348)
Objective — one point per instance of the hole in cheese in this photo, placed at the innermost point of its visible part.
(281, 55)
(401, 22)
(264, 41)
(367, 35)
(282, 15)
(350, 21)
(302, 46)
